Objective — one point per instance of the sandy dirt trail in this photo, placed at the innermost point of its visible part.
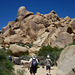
(40, 71)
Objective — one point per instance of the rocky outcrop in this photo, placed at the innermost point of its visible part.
(66, 62)
(4, 29)
(53, 16)
(62, 40)
(22, 11)
(12, 39)
(41, 39)
(1, 40)
(72, 23)
(17, 49)
(34, 49)
(39, 29)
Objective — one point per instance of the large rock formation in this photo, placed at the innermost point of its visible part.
(1, 40)
(39, 29)
(66, 62)
(17, 49)
(22, 11)
(62, 40)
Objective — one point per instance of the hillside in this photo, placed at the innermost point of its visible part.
(37, 30)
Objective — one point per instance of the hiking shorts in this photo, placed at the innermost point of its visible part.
(48, 67)
(33, 70)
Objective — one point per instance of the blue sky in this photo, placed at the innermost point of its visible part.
(9, 8)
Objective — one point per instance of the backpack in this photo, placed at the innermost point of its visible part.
(34, 63)
(48, 62)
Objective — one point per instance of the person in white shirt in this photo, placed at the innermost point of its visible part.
(33, 65)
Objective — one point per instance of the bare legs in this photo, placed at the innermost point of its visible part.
(33, 74)
(30, 74)
(49, 71)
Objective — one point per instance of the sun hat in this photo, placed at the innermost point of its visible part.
(48, 56)
(33, 56)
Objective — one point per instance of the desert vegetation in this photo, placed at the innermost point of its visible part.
(48, 50)
(6, 67)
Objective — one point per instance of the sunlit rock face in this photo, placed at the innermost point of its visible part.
(39, 29)
(21, 11)
(66, 65)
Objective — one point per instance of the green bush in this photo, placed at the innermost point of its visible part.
(48, 50)
(21, 44)
(73, 43)
(6, 67)
(21, 53)
(30, 45)
(53, 52)
(9, 52)
(20, 72)
(25, 53)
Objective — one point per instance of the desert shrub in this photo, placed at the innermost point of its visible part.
(20, 44)
(48, 50)
(20, 72)
(53, 52)
(73, 43)
(6, 66)
(30, 45)
(9, 52)
(21, 53)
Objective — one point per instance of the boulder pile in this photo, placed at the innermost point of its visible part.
(38, 30)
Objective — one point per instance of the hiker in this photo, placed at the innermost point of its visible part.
(10, 58)
(33, 65)
(48, 65)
